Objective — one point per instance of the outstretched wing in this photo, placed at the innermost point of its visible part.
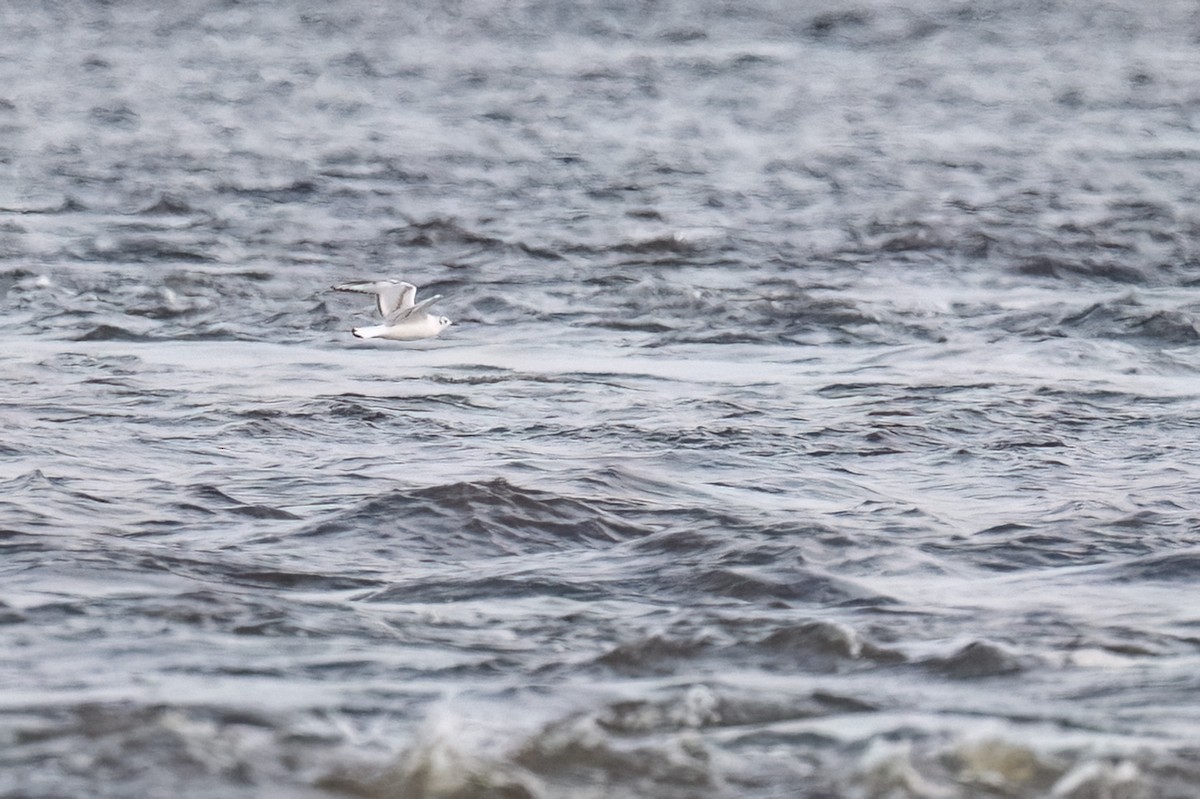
(390, 295)
(411, 311)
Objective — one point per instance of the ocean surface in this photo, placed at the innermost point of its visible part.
(819, 418)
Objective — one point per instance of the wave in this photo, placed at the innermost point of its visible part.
(1180, 566)
(37, 501)
(1128, 318)
(1062, 267)
(813, 646)
(473, 519)
(712, 740)
(977, 659)
(690, 740)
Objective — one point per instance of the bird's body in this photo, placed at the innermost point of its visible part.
(409, 330)
(404, 319)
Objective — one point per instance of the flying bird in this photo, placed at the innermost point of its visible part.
(404, 319)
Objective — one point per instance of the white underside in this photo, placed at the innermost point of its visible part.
(409, 331)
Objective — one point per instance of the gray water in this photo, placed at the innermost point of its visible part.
(819, 418)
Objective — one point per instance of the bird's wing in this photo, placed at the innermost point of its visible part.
(395, 297)
(412, 311)
(390, 295)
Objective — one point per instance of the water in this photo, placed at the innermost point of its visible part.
(819, 418)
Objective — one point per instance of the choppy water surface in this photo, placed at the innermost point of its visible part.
(819, 419)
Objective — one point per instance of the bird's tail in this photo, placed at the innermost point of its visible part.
(374, 331)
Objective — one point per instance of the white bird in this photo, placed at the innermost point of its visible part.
(404, 319)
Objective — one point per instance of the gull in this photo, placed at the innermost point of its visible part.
(404, 319)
